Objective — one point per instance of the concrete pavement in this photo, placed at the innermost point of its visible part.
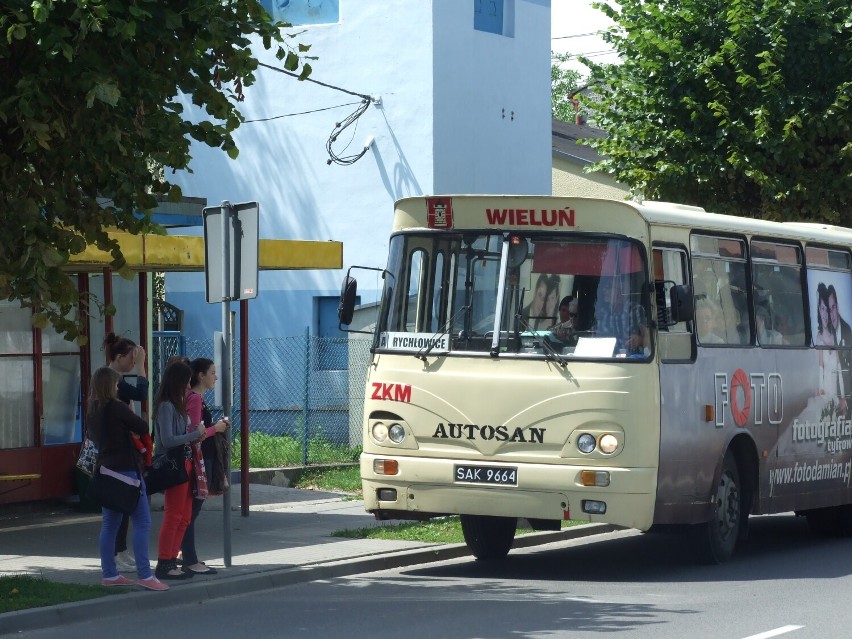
(285, 539)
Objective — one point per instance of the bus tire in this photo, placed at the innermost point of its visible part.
(488, 538)
(717, 538)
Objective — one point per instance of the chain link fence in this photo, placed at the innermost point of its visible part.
(305, 395)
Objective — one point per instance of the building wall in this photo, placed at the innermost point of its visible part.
(492, 101)
(569, 179)
(439, 128)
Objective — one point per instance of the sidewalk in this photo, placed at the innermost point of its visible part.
(285, 539)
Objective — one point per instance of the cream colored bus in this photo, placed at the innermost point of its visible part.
(642, 364)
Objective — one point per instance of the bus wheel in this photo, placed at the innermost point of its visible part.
(488, 537)
(718, 536)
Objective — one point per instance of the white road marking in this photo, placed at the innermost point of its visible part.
(783, 630)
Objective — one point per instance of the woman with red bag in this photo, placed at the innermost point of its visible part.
(172, 430)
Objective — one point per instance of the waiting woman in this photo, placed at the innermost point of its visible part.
(204, 455)
(111, 426)
(172, 430)
(123, 356)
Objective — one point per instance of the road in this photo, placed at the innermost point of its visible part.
(784, 583)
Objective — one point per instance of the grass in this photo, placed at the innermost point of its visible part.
(272, 451)
(344, 479)
(19, 592)
(442, 530)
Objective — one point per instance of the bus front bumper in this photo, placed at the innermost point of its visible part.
(425, 488)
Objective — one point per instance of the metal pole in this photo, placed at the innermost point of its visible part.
(306, 398)
(227, 385)
(244, 408)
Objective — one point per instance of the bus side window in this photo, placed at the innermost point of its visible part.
(719, 275)
(779, 304)
(670, 267)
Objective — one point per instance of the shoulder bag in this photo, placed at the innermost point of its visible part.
(111, 489)
(167, 470)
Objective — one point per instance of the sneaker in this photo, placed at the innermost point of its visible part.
(152, 583)
(116, 581)
(125, 561)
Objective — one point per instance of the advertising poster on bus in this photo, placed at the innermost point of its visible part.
(820, 436)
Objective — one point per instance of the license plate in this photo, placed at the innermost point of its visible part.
(497, 475)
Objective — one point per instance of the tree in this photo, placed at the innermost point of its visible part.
(564, 83)
(740, 106)
(91, 120)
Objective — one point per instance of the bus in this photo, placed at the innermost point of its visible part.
(642, 364)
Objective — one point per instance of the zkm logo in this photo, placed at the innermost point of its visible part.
(758, 395)
(392, 392)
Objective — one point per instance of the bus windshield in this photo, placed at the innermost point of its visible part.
(510, 294)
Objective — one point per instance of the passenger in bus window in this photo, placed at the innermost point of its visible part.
(765, 333)
(707, 319)
(616, 317)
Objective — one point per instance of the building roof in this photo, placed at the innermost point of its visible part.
(565, 136)
(186, 253)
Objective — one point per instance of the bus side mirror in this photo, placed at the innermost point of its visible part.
(348, 295)
(682, 304)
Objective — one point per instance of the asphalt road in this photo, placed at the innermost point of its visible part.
(784, 583)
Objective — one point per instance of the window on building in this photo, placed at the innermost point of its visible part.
(488, 16)
(303, 12)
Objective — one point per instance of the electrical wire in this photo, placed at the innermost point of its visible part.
(339, 127)
(290, 115)
(577, 35)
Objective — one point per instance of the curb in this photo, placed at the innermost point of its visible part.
(136, 601)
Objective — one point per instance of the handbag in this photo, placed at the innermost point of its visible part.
(115, 491)
(88, 457)
(167, 471)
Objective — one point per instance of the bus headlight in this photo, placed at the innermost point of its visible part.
(586, 443)
(396, 433)
(380, 431)
(608, 443)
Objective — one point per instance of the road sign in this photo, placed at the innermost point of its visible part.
(230, 251)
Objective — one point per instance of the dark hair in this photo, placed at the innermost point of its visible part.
(102, 388)
(565, 301)
(173, 387)
(116, 346)
(822, 297)
(199, 365)
(177, 358)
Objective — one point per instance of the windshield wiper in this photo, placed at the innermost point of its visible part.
(424, 352)
(549, 352)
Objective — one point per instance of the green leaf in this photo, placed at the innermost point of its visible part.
(106, 92)
(292, 61)
(40, 320)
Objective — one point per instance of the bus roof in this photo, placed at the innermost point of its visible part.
(425, 211)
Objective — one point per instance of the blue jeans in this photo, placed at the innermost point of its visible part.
(141, 518)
